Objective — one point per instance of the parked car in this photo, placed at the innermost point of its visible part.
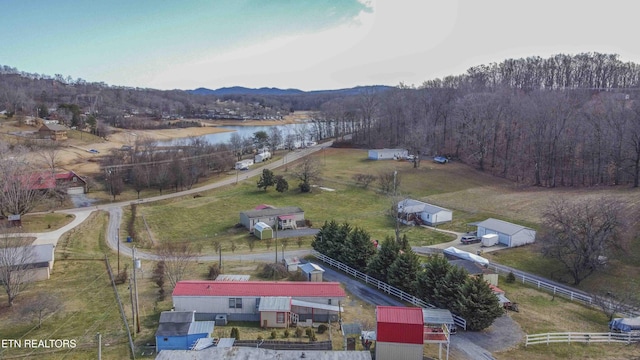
(470, 239)
(94, 151)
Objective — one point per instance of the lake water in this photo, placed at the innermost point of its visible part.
(243, 131)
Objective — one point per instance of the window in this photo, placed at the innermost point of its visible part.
(280, 318)
(329, 301)
(235, 303)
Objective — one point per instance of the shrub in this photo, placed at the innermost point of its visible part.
(312, 335)
(273, 271)
(308, 331)
(322, 328)
(299, 332)
(274, 334)
(297, 276)
(214, 271)
(287, 333)
(259, 337)
(511, 278)
(235, 333)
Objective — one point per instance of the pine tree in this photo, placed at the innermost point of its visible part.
(403, 272)
(449, 292)
(281, 184)
(480, 305)
(266, 179)
(358, 249)
(378, 266)
(431, 278)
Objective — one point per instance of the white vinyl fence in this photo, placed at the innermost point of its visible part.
(578, 337)
(556, 290)
(382, 286)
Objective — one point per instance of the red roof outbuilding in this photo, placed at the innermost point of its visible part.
(259, 288)
(395, 324)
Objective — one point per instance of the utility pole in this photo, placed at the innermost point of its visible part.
(133, 309)
(118, 240)
(99, 346)
(277, 240)
(135, 285)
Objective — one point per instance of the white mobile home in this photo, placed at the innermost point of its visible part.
(263, 156)
(414, 212)
(509, 234)
(240, 300)
(388, 154)
(283, 218)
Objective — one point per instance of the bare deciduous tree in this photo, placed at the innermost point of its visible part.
(580, 235)
(309, 170)
(20, 184)
(41, 306)
(16, 258)
(177, 258)
(617, 300)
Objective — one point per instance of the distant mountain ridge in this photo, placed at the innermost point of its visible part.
(240, 90)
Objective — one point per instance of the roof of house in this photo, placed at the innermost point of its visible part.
(273, 212)
(69, 176)
(501, 226)
(258, 288)
(310, 267)
(472, 267)
(54, 127)
(35, 254)
(177, 316)
(399, 315)
(414, 206)
(232, 277)
(312, 305)
(275, 303)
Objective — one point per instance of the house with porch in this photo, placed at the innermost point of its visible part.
(248, 300)
(289, 217)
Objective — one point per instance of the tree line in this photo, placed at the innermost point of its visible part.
(394, 262)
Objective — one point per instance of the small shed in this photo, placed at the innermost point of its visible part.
(388, 154)
(312, 271)
(399, 333)
(262, 231)
(509, 234)
(178, 330)
(292, 263)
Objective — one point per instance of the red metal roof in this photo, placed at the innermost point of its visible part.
(258, 288)
(399, 315)
(286, 217)
(402, 325)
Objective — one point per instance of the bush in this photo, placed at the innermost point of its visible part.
(259, 337)
(297, 276)
(122, 276)
(235, 333)
(308, 331)
(273, 271)
(214, 271)
(511, 278)
(322, 328)
(299, 332)
(312, 335)
(274, 334)
(287, 333)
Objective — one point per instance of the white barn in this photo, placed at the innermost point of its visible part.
(387, 154)
(414, 212)
(509, 234)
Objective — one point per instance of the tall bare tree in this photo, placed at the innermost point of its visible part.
(178, 258)
(16, 257)
(41, 306)
(309, 170)
(21, 185)
(580, 235)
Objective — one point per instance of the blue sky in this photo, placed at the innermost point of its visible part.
(304, 44)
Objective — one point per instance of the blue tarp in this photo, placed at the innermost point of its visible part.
(625, 324)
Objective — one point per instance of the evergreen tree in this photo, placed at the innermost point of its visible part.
(358, 249)
(448, 294)
(281, 184)
(266, 179)
(403, 272)
(480, 305)
(431, 278)
(378, 266)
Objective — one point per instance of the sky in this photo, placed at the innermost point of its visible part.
(301, 44)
